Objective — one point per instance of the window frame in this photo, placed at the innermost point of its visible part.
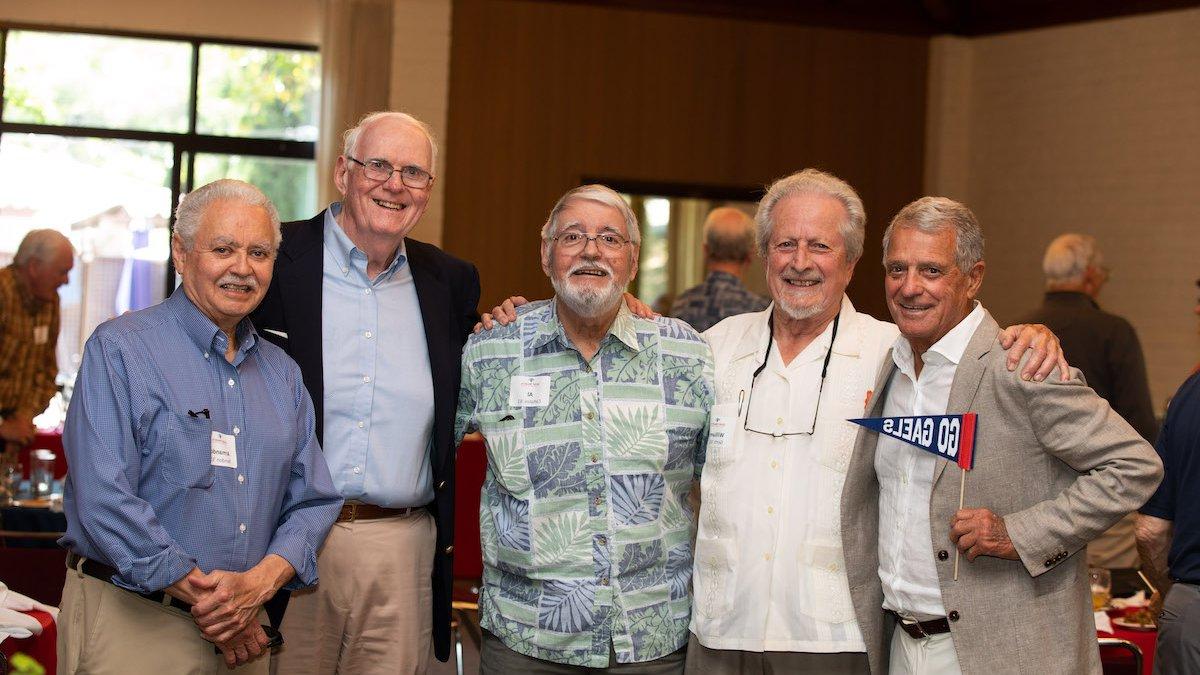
(184, 145)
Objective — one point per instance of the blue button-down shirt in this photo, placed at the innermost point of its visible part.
(142, 494)
(378, 386)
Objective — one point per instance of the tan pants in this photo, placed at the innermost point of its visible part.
(103, 629)
(372, 610)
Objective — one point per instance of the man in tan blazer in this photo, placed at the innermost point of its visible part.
(1054, 467)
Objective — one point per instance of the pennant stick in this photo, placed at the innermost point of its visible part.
(962, 488)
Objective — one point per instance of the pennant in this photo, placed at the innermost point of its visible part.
(951, 437)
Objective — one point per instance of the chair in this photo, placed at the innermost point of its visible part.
(468, 557)
(1119, 653)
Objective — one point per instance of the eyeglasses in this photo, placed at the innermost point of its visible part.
(820, 389)
(575, 241)
(377, 169)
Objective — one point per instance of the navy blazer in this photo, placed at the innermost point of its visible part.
(448, 294)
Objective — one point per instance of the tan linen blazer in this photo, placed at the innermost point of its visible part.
(1059, 465)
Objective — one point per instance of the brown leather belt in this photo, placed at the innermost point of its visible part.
(99, 570)
(920, 629)
(354, 511)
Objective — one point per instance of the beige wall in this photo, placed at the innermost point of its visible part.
(1092, 128)
(268, 20)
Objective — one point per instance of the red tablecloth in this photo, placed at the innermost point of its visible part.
(46, 440)
(39, 647)
(1144, 639)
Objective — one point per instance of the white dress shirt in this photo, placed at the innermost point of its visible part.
(905, 472)
(769, 572)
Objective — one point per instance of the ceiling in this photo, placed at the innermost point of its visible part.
(910, 17)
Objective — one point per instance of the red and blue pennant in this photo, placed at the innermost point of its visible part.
(951, 437)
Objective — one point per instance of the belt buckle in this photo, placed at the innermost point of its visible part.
(353, 513)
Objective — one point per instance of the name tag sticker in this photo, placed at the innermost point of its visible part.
(224, 450)
(525, 391)
(721, 424)
(41, 335)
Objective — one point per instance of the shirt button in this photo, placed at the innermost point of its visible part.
(361, 424)
(774, 464)
(358, 469)
(231, 381)
(366, 291)
(604, 581)
(368, 335)
(236, 431)
(366, 379)
(242, 527)
(591, 416)
(766, 556)
(345, 270)
(206, 355)
(770, 509)
(597, 501)
(587, 368)
(595, 457)
(779, 420)
(602, 540)
(241, 478)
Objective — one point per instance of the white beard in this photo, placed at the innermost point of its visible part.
(587, 301)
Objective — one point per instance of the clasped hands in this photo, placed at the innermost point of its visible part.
(225, 606)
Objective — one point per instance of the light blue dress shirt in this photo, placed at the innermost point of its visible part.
(142, 494)
(378, 386)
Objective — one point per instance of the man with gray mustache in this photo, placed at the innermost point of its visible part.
(197, 489)
(595, 422)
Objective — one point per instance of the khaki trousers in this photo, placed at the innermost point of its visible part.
(105, 630)
(372, 610)
(704, 661)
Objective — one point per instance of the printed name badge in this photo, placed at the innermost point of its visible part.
(528, 392)
(41, 335)
(721, 424)
(224, 450)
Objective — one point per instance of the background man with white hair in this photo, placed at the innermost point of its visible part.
(196, 487)
(29, 321)
(1054, 467)
(728, 245)
(377, 321)
(595, 422)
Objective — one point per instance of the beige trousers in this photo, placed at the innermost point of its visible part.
(103, 629)
(372, 610)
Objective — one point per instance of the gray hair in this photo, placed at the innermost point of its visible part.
(814, 181)
(1068, 257)
(935, 214)
(600, 194)
(193, 206)
(40, 244)
(351, 135)
(728, 234)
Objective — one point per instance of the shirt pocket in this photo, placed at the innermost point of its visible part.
(184, 446)
(828, 597)
(504, 435)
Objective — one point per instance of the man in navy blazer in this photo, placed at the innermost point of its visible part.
(377, 322)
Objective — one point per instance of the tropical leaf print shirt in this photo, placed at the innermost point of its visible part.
(584, 517)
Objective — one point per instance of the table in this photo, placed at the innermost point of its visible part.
(40, 647)
(1144, 639)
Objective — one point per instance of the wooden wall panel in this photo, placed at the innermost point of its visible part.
(542, 94)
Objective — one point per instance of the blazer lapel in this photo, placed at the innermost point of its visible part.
(434, 297)
(969, 374)
(300, 293)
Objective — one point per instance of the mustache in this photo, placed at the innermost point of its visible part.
(793, 274)
(231, 278)
(590, 265)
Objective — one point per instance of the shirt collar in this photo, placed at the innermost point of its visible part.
(31, 303)
(623, 328)
(754, 341)
(344, 251)
(1071, 299)
(717, 276)
(949, 349)
(204, 333)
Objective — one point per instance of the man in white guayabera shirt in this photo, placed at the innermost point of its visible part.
(770, 583)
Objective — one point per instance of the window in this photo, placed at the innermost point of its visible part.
(101, 133)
